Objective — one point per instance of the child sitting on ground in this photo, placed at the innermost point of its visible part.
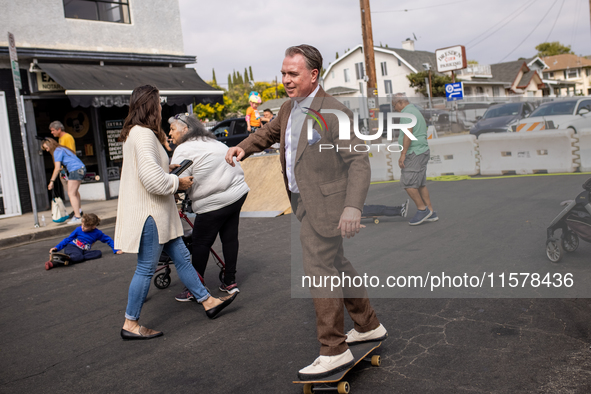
(77, 245)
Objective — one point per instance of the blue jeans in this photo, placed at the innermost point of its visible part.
(147, 260)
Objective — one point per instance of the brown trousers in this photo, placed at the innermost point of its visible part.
(325, 257)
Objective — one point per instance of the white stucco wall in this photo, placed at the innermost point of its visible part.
(397, 74)
(155, 28)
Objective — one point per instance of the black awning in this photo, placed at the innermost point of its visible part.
(105, 86)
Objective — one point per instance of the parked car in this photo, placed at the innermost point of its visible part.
(500, 118)
(560, 114)
(462, 119)
(583, 122)
(231, 131)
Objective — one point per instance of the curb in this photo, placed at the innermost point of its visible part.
(39, 235)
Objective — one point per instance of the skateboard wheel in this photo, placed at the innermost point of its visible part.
(162, 281)
(308, 388)
(376, 360)
(376, 221)
(343, 388)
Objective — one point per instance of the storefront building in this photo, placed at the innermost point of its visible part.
(87, 90)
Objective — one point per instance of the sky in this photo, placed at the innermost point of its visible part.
(227, 35)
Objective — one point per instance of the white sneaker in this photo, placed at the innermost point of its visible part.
(74, 220)
(327, 365)
(355, 337)
(404, 210)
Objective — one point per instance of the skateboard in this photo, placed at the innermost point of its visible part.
(59, 258)
(335, 382)
(376, 219)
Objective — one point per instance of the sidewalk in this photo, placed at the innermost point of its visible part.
(19, 230)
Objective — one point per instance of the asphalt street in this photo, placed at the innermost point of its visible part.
(60, 328)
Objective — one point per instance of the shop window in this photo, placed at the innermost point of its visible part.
(98, 10)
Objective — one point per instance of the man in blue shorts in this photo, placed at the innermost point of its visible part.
(413, 161)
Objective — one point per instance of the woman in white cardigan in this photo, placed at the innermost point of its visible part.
(218, 193)
(147, 218)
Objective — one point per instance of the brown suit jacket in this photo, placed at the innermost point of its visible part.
(328, 180)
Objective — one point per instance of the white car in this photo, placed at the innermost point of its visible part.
(560, 114)
(583, 122)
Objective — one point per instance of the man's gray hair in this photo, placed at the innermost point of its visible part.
(399, 97)
(311, 54)
(56, 124)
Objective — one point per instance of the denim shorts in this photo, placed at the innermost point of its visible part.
(77, 175)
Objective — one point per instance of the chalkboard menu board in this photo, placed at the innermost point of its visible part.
(115, 147)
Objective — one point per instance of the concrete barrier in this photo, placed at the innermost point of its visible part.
(585, 150)
(380, 162)
(535, 152)
(457, 155)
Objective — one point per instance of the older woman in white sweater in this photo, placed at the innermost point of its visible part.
(147, 219)
(218, 193)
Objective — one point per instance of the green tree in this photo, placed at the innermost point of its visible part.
(438, 82)
(246, 80)
(250, 70)
(473, 62)
(337, 55)
(230, 85)
(552, 49)
(213, 76)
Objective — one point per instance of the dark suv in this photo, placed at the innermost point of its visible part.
(231, 131)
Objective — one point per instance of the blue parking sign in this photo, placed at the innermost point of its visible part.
(454, 91)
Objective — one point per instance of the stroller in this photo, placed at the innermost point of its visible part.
(162, 279)
(574, 221)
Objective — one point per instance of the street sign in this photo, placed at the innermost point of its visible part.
(451, 58)
(16, 74)
(454, 91)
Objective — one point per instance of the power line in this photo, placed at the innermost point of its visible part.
(495, 25)
(555, 20)
(532, 2)
(421, 8)
(576, 23)
(530, 33)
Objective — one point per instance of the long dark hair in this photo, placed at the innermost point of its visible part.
(145, 111)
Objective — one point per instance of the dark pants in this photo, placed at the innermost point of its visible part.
(78, 255)
(223, 221)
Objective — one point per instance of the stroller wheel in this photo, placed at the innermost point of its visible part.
(570, 241)
(162, 281)
(554, 250)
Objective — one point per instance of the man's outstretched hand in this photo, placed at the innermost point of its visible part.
(350, 222)
(234, 152)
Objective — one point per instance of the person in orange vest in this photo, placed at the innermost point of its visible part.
(253, 117)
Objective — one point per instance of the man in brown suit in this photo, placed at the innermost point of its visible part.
(327, 188)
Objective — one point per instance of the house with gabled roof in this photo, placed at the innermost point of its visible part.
(516, 78)
(346, 76)
(570, 70)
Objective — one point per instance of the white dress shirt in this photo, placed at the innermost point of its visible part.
(296, 118)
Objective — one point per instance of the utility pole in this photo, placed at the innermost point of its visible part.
(370, 66)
